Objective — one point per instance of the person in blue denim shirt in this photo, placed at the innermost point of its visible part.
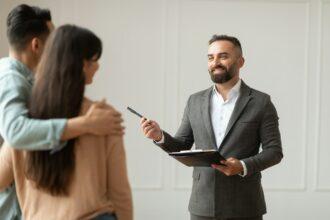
(27, 30)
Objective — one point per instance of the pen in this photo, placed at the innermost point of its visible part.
(135, 112)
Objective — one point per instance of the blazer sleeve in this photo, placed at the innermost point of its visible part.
(6, 167)
(184, 138)
(270, 139)
(119, 190)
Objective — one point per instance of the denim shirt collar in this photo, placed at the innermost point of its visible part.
(18, 67)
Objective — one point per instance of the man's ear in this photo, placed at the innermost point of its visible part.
(241, 62)
(36, 45)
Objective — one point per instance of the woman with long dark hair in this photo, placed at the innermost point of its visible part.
(87, 179)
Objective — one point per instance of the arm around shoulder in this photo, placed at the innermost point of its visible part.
(16, 127)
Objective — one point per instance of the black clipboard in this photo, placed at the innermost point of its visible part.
(198, 158)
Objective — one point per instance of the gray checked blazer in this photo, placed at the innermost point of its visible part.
(253, 124)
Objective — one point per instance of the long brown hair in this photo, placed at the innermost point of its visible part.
(58, 93)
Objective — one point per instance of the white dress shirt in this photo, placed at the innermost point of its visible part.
(221, 111)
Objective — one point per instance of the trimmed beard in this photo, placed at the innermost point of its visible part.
(222, 77)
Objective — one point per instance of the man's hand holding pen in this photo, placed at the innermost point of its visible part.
(151, 129)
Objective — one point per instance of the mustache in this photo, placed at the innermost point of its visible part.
(219, 66)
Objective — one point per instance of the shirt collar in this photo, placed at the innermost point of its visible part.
(19, 67)
(234, 91)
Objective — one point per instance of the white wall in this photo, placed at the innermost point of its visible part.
(155, 56)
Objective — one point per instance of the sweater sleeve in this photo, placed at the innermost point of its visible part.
(119, 190)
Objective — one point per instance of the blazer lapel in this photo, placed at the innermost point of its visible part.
(205, 109)
(242, 101)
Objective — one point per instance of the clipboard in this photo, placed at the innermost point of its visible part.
(198, 158)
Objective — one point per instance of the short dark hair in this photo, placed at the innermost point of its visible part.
(231, 39)
(25, 22)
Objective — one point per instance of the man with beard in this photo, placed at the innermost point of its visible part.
(236, 120)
